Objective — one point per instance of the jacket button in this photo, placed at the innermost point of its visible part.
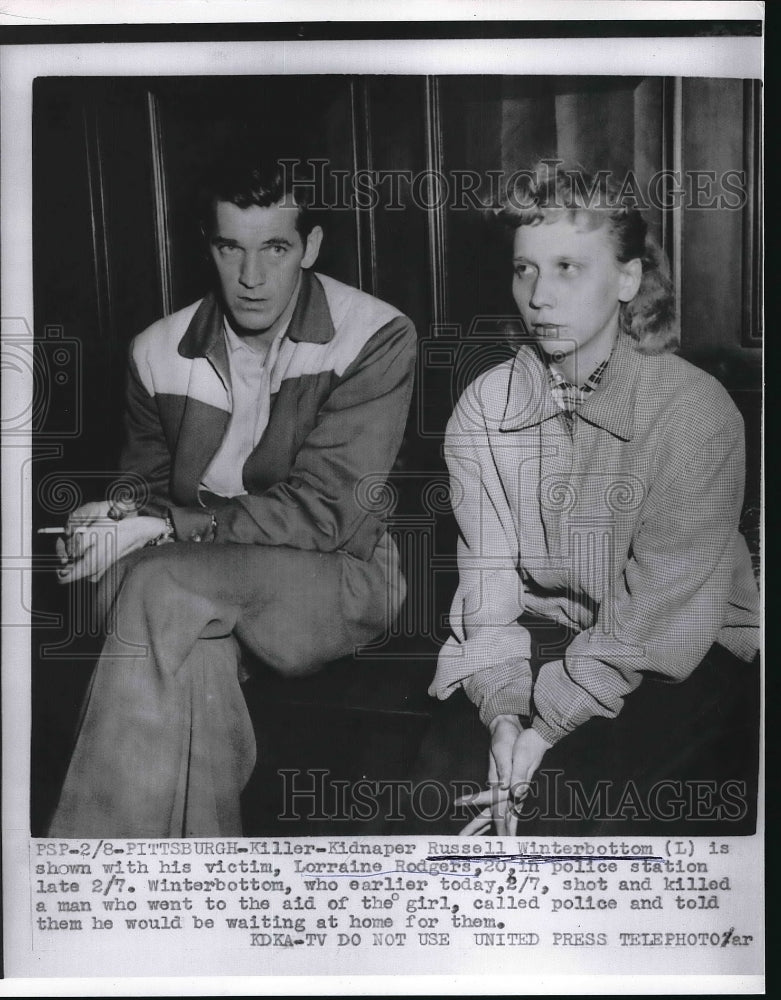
(195, 536)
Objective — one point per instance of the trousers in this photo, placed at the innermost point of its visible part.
(165, 743)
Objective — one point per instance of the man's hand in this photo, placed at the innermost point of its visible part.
(515, 755)
(93, 541)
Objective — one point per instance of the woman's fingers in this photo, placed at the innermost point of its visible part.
(527, 754)
(489, 797)
(496, 806)
(511, 763)
(515, 753)
(478, 825)
(504, 732)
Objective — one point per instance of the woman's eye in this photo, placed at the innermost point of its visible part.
(567, 267)
(523, 270)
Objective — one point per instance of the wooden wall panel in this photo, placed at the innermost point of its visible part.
(712, 236)
(753, 272)
(95, 264)
(396, 108)
(528, 122)
(479, 126)
(397, 249)
(65, 284)
(595, 127)
(649, 153)
(125, 158)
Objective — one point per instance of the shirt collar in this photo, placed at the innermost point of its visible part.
(310, 323)
(611, 406)
(238, 346)
(557, 380)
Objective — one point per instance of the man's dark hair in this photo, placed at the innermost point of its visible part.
(247, 180)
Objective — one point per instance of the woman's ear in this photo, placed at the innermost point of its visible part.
(629, 281)
(312, 249)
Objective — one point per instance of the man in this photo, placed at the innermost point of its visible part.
(253, 416)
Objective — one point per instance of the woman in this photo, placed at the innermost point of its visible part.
(597, 480)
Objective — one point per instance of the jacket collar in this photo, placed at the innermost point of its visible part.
(611, 406)
(310, 323)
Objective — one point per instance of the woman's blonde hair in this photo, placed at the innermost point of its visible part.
(542, 194)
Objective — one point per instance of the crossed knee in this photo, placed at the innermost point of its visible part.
(292, 663)
(162, 588)
(149, 578)
(161, 583)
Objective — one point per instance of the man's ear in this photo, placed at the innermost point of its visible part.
(629, 282)
(312, 249)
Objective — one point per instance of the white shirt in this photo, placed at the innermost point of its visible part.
(250, 372)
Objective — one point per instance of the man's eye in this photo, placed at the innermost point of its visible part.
(277, 250)
(568, 267)
(227, 249)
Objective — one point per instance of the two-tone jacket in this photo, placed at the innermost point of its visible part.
(340, 392)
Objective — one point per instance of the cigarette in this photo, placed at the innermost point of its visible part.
(59, 531)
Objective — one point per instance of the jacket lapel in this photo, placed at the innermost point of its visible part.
(203, 423)
(612, 406)
(311, 321)
(204, 338)
(529, 401)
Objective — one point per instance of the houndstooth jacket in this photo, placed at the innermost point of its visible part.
(624, 527)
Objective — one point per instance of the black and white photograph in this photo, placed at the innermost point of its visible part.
(382, 449)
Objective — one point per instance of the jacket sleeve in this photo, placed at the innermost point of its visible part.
(488, 653)
(357, 436)
(669, 603)
(145, 455)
